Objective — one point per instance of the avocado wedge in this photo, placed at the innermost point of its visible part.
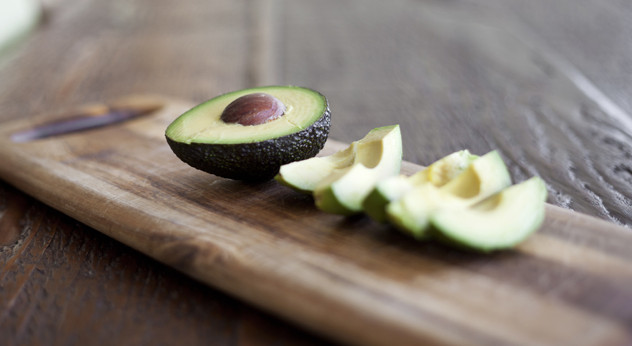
(304, 176)
(340, 182)
(498, 222)
(248, 134)
(377, 156)
(483, 177)
(393, 188)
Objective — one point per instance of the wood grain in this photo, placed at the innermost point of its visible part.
(545, 82)
(64, 283)
(351, 279)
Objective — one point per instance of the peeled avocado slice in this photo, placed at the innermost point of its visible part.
(483, 177)
(340, 182)
(377, 156)
(393, 188)
(303, 176)
(460, 199)
(498, 222)
(386, 191)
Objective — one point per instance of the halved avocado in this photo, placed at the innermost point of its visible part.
(201, 138)
(393, 188)
(498, 222)
(485, 176)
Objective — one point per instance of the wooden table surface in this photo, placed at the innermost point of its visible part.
(547, 83)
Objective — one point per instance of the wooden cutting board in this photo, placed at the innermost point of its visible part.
(352, 279)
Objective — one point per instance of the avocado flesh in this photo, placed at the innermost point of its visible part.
(377, 156)
(303, 176)
(412, 212)
(448, 167)
(201, 139)
(498, 222)
(342, 191)
(485, 176)
(384, 192)
(393, 188)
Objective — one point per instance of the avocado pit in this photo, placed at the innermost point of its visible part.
(253, 109)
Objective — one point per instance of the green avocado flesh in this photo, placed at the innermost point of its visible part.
(461, 199)
(501, 221)
(393, 188)
(254, 152)
(483, 177)
(303, 176)
(341, 181)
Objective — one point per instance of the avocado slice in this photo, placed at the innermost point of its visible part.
(384, 192)
(303, 176)
(232, 137)
(339, 182)
(498, 222)
(377, 156)
(484, 176)
(393, 188)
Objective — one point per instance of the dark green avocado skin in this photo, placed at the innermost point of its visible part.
(258, 161)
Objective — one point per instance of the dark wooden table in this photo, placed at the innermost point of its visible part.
(547, 83)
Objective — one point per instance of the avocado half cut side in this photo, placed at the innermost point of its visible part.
(498, 222)
(202, 138)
